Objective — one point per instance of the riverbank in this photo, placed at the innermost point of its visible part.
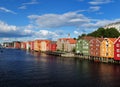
(86, 57)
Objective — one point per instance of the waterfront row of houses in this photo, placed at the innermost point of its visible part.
(108, 48)
(63, 44)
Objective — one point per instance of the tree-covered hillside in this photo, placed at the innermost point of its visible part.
(109, 32)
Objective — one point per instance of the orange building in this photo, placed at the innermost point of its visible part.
(107, 48)
(37, 46)
(44, 45)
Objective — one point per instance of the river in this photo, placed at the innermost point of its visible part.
(20, 68)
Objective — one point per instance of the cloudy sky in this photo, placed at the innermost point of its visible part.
(52, 19)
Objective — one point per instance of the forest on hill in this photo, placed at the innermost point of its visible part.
(105, 33)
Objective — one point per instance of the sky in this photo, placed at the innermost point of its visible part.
(24, 20)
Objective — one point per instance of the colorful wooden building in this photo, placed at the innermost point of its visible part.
(107, 48)
(23, 45)
(37, 45)
(95, 46)
(52, 46)
(31, 45)
(44, 45)
(117, 49)
(17, 44)
(82, 45)
(66, 44)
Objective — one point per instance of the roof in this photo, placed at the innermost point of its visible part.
(71, 40)
(112, 39)
(88, 38)
(117, 39)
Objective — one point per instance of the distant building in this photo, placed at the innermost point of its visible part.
(44, 45)
(113, 25)
(66, 44)
(17, 44)
(52, 46)
(8, 44)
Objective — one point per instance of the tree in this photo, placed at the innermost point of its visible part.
(109, 32)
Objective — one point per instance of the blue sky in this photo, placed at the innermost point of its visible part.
(52, 19)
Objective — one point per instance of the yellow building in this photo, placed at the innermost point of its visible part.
(107, 48)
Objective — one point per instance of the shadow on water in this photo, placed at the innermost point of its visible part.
(20, 68)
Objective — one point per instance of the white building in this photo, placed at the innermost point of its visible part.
(113, 25)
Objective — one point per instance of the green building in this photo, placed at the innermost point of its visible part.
(82, 47)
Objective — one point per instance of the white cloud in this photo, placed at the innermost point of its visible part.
(22, 7)
(77, 33)
(99, 23)
(58, 20)
(31, 2)
(7, 10)
(4, 27)
(13, 31)
(94, 8)
(98, 2)
(45, 34)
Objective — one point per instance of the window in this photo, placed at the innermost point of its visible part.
(118, 50)
(97, 44)
(118, 55)
(117, 45)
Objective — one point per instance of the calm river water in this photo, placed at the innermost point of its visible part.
(19, 68)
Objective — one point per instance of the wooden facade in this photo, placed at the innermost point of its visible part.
(37, 45)
(82, 47)
(44, 45)
(117, 49)
(95, 47)
(52, 46)
(107, 48)
(17, 45)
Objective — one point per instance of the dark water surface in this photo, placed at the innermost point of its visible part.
(23, 69)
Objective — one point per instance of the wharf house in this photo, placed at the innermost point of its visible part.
(83, 46)
(107, 49)
(37, 45)
(95, 47)
(17, 44)
(117, 49)
(44, 45)
(28, 45)
(31, 45)
(23, 45)
(66, 44)
(52, 46)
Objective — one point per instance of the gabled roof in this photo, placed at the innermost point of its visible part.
(72, 41)
(112, 39)
(88, 38)
(116, 39)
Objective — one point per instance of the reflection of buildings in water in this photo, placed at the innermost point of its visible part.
(37, 54)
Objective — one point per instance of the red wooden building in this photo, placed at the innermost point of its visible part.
(95, 47)
(117, 49)
(31, 45)
(52, 46)
(17, 45)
